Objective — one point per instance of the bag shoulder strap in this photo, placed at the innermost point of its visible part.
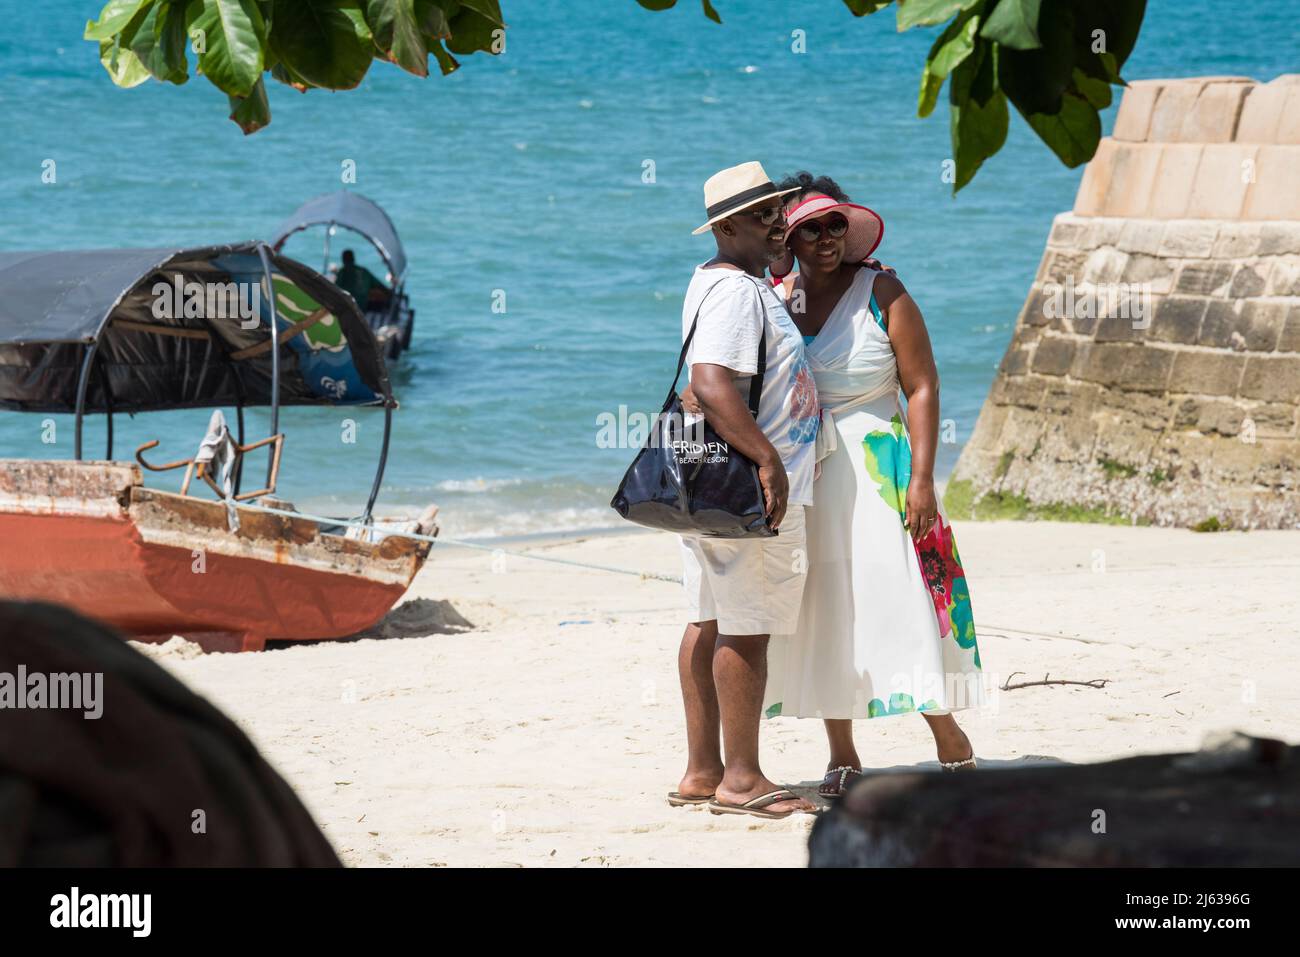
(756, 381)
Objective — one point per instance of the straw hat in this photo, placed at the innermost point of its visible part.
(734, 189)
(866, 228)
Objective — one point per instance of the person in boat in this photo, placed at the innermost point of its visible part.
(885, 625)
(739, 591)
(361, 283)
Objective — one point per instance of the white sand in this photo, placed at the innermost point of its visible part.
(549, 734)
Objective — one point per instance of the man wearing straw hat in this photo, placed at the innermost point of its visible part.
(743, 590)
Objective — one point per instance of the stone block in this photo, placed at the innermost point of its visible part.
(1135, 109)
(1103, 363)
(1213, 117)
(1116, 328)
(1067, 229)
(1133, 169)
(1103, 231)
(1172, 186)
(1090, 200)
(1154, 274)
(1275, 193)
(1053, 356)
(1289, 339)
(1249, 279)
(1065, 264)
(1177, 319)
(1238, 240)
(1105, 265)
(1272, 419)
(1252, 325)
(1204, 277)
(1218, 416)
(1279, 239)
(1035, 310)
(1146, 369)
(1020, 429)
(1141, 236)
(1288, 127)
(1206, 373)
(1189, 239)
(1023, 391)
(1015, 361)
(1271, 378)
(1261, 113)
(1070, 438)
(1284, 277)
(1222, 178)
(1172, 108)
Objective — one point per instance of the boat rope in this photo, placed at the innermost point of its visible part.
(462, 543)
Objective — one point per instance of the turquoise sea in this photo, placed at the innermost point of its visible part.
(524, 174)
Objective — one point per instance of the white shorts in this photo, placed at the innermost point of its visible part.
(751, 586)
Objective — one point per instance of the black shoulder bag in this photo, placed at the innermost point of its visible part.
(686, 479)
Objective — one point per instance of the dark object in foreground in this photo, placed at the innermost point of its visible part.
(1235, 803)
(160, 778)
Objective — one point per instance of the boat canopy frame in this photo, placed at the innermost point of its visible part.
(90, 311)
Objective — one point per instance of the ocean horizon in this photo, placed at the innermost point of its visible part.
(545, 199)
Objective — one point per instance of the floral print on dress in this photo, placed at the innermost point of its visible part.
(805, 412)
(888, 459)
(899, 703)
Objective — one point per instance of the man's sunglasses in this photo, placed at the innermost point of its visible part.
(811, 231)
(768, 215)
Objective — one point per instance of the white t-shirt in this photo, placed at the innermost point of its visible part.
(730, 326)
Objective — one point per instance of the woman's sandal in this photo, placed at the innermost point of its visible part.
(758, 806)
(958, 765)
(677, 799)
(837, 787)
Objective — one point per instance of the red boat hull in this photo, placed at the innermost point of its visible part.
(164, 565)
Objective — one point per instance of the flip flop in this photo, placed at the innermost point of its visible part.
(758, 806)
(676, 799)
(842, 773)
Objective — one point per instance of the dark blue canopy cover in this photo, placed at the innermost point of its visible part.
(178, 328)
(354, 212)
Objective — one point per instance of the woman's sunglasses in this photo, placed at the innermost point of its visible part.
(768, 215)
(811, 231)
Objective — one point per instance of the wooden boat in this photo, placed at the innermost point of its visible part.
(392, 322)
(78, 334)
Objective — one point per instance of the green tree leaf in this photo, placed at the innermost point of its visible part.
(471, 32)
(1096, 92)
(711, 13)
(658, 4)
(122, 65)
(252, 112)
(432, 19)
(1034, 80)
(978, 131)
(1014, 24)
(397, 32)
(489, 9)
(160, 41)
(326, 42)
(979, 118)
(446, 62)
(1073, 133)
(924, 13)
(234, 36)
(863, 8)
(951, 48)
(115, 15)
